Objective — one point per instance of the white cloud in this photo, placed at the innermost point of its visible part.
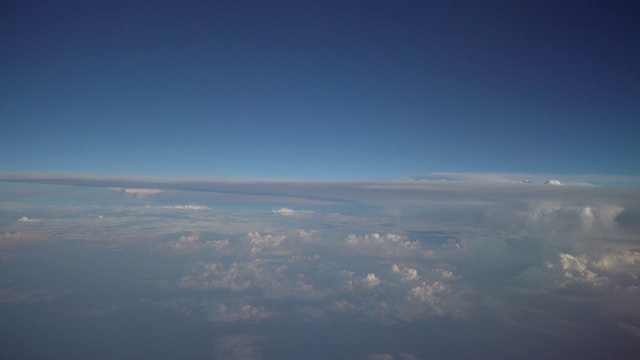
(576, 271)
(431, 295)
(25, 219)
(261, 242)
(614, 274)
(383, 264)
(309, 236)
(266, 240)
(371, 281)
(408, 274)
(587, 218)
(138, 192)
(627, 262)
(191, 243)
(553, 182)
(185, 207)
(386, 245)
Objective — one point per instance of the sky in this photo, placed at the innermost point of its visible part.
(319, 89)
(319, 180)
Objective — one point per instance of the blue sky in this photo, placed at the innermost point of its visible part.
(319, 90)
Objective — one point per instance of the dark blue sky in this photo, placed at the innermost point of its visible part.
(319, 89)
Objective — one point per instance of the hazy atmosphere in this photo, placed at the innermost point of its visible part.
(370, 180)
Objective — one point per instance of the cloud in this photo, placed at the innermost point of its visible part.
(384, 251)
(191, 243)
(138, 192)
(458, 187)
(185, 207)
(25, 219)
(389, 245)
(627, 262)
(611, 272)
(553, 182)
(259, 242)
(371, 281)
(408, 274)
(576, 271)
(290, 212)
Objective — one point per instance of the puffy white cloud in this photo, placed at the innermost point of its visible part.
(191, 243)
(553, 182)
(25, 219)
(408, 274)
(400, 294)
(266, 240)
(431, 296)
(571, 219)
(387, 245)
(309, 236)
(615, 272)
(587, 218)
(189, 239)
(261, 242)
(371, 281)
(576, 271)
(627, 262)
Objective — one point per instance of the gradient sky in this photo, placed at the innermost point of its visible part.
(319, 90)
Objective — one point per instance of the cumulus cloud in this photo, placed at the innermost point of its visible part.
(553, 182)
(371, 281)
(408, 274)
(614, 271)
(261, 242)
(576, 271)
(387, 245)
(380, 262)
(400, 294)
(587, 218)
(627, 262)
(191, 243)
(25, 219)
(558, 217)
